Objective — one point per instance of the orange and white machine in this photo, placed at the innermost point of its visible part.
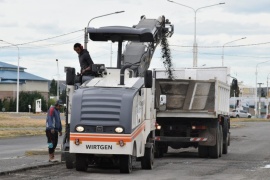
(112, 116)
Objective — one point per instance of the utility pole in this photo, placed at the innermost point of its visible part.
(260, 94)
(267, 100)
(57, 80)
(234, 99)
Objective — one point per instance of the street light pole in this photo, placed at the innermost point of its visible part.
(57, 80)
(18, 75)
(260, 100)
(256, 73)
(85, 30)
(195, 50)
(226, 44)
(234, 99)
(267, 100)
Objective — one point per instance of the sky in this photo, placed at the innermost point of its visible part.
(46, 30)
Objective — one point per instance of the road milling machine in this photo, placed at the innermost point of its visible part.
(111, 117)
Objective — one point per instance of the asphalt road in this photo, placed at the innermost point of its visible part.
(16, 147)
(248, 158)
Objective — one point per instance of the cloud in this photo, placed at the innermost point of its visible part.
(247, 6)
(45, 28)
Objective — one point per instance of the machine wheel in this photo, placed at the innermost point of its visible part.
(70, 159)
(229, 141)
(226, 136)
(64, 148)
(125, 164)
(214, 150)
(220, 140)
(203, 151)
(147, 161)
(81, 162)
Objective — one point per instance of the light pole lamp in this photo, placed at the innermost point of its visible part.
(85, 30)
(226, 44)
(57, 80)
(18, 75)
(256, 73)
(195, 52)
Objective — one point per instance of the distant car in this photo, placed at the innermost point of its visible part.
(268, 116)
(240, 114)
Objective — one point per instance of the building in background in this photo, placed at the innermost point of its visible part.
(27, 82)
(246, 99)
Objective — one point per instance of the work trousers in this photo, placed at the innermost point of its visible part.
(52, 138)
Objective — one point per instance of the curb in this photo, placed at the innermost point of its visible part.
(43, 151)
(40, 152)
(30, 167)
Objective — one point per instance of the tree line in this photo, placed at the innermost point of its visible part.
(29, 98)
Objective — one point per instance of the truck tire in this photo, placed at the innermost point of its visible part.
(220, 140)
(147, 161)
(203, 151)
(81, 162)
(214, 150)
(159, 152)
(226, 136)
(125, 164)
(165, 149)
(70, 159)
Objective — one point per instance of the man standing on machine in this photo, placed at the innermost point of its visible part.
(84, 59)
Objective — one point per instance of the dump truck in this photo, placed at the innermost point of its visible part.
(111, 117)
(193, 110)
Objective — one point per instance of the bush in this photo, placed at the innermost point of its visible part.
(29, 98)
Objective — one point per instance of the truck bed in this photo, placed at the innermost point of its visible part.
(193, 98)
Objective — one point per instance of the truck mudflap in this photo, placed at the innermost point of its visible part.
(180, 139)
(206, 138)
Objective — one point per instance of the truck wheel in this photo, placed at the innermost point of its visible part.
(81, 162)
(226, 136)
(203, 151)
(70, 159)
(165, 149)
(220, 140)
(125, 164)
(159, 152)
(147, 161)
(214, 150)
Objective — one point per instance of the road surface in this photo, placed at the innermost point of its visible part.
(248, 158)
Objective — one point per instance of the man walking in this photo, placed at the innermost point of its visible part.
(53, 128)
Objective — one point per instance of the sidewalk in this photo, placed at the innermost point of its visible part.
(33, 159)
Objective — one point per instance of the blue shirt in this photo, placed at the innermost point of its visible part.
(53, 120)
